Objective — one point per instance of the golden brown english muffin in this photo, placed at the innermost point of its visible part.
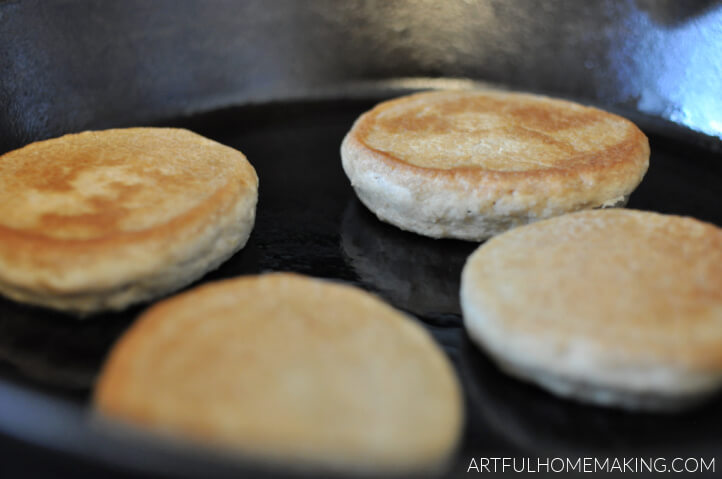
(614, 307)
(282, 367)
(102, 219)
(471, 164)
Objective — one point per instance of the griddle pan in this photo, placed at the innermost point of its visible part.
(283, 82)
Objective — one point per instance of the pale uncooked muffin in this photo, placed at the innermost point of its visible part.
(613, 307)
(101, 219)
(471, 164)
(287, 368)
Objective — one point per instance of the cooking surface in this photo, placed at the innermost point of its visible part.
(309, 221)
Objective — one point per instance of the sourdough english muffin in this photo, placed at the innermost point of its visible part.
(286, 368)
(614, 307)
(471, 164)
(102, 219)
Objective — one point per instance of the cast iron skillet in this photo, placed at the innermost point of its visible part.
(309, 221)
(283, 85)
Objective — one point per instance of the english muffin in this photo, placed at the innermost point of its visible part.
(613, 307)
(102, 219)
(471, 164)
(286, 368)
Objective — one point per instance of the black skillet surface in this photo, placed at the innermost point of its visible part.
(309, 221)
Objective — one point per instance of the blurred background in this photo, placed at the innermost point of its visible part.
(69, 65)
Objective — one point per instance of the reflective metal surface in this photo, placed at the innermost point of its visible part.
(71, 65)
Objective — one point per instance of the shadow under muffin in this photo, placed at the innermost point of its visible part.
(418, 274)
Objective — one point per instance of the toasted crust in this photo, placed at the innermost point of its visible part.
(289, 368)
(470, 164)
(101, 219)
(616, 307)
